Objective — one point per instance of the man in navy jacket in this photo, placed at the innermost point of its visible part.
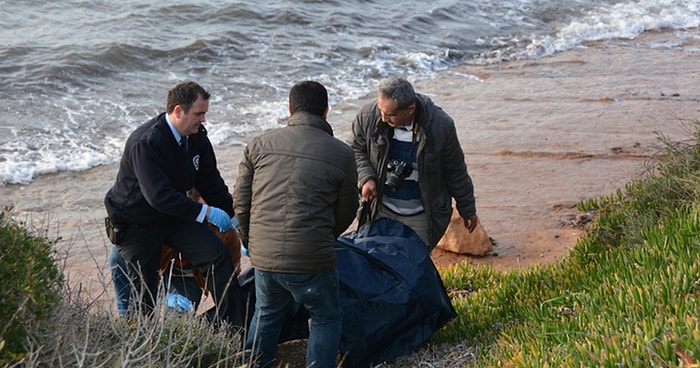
(147, 206)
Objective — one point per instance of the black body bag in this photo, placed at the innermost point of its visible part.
(392, 296)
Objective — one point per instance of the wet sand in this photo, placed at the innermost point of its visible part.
(538, 135)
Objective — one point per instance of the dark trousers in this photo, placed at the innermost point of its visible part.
(141, 246)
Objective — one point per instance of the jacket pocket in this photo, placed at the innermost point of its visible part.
(113, 231)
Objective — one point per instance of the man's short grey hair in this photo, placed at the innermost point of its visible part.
(399, 90)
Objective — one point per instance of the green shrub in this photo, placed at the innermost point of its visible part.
(31, 285)
(45, 323)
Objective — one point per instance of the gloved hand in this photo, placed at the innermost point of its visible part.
(220, 219)
(235, 224)
(245, 252)
(179, 303)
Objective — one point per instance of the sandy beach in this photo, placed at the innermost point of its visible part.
(538, 136)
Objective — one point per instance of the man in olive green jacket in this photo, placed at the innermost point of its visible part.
(295, 194)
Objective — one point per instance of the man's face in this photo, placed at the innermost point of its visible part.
(392, 115)
(188, 122)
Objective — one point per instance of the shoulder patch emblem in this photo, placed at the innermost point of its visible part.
(195, 162)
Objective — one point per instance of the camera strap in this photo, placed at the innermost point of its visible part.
(414, 136)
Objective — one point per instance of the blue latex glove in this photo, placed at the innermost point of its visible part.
(180, 303)
(235, 224)
(220, 219)
(244, 250)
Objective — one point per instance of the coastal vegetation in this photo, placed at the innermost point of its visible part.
(628, 295)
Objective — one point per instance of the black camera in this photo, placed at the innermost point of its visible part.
(397, 171)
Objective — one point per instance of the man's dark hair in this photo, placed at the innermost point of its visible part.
(399, 90)
(308, 96)
(185, 94)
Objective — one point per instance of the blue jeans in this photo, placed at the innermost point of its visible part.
(120, 279)
(319, 293)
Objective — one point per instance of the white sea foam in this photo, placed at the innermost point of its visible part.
(622, 20)
(72, 107)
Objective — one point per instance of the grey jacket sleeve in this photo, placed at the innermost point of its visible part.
(459, 183)
(360, 145)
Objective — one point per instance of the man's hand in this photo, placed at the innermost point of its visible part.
(369, 190)
(219, 218)
(470, 222)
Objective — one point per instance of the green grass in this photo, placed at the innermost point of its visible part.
(626, 296)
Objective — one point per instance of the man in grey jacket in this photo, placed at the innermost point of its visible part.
(410, 162)
(295, 194)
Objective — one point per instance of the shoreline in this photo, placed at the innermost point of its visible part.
(538, 136)
(571, 126)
